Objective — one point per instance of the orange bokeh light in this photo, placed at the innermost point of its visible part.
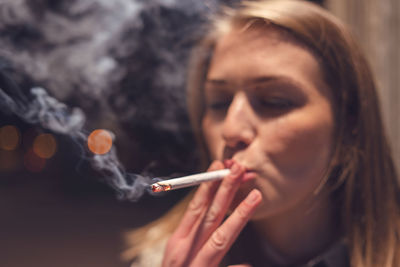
(45, 146)
(100, 141)
(9, 137)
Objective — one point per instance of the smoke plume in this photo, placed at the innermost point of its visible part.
(57, 117)
(123, 62)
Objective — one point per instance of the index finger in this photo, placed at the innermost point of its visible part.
(223, 237)
(198, 204)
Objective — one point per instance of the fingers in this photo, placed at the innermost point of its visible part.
(223, 237)
(197, 229)
(219, 206)
(181, 242)
(228, 163)
(199, 204)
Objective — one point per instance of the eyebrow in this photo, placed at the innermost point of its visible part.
(254, 80)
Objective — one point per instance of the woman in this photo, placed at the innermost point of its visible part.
(280, 93)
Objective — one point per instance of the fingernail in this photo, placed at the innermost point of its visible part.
(228, 163)
(253, 197)
(235, 169)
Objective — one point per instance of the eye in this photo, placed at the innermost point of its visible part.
(218, 102)
(276, 103)
(218, 105)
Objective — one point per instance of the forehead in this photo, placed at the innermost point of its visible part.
(254, 32)
(242, 55)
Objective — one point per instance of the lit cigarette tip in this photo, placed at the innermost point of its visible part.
(156, 188)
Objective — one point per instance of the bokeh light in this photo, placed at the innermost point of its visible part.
(9, 137)
(45, 146)
(33, 162)
(100, 141)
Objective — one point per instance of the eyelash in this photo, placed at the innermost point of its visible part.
(277, 103)
(217, 106)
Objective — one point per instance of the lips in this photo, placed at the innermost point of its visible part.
(249, 174)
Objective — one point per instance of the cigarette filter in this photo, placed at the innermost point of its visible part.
(190, 180)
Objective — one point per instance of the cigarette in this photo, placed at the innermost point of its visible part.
(190, 180)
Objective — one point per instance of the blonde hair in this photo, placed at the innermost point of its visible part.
(362, 175)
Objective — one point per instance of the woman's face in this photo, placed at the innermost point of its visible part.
(269, 108)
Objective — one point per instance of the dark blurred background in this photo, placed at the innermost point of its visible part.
(123, 63)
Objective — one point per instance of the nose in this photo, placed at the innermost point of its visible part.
(238, 129)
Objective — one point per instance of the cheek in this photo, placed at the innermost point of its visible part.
(300, 145)
(297, 152)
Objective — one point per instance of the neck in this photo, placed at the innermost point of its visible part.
(301, 233)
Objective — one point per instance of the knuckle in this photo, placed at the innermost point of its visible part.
(228, 185)
(242, 211)
(212, 215)
(231, 180)
(195, 207)
(174, 262)
(218, 240)
(173, 259)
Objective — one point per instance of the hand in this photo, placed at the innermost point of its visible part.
(200, 239)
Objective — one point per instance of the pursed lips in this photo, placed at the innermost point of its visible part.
(250, 172)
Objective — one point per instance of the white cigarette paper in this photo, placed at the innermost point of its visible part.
(190, 180)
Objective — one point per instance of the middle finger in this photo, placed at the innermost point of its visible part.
(219, 206)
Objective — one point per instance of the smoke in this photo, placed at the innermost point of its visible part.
(57, 117)
(80, 43)
(69, 41)
(123, 62)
